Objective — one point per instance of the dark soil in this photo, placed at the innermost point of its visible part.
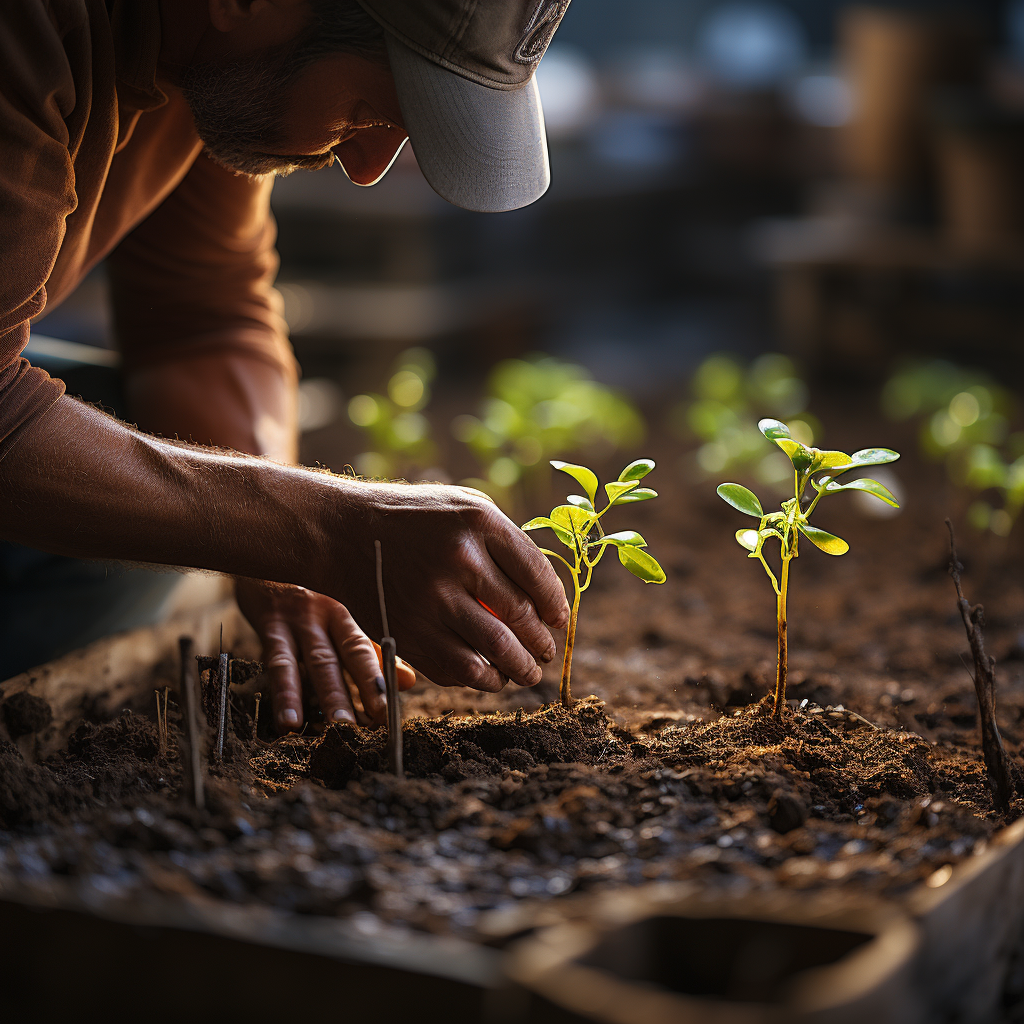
(666, 773)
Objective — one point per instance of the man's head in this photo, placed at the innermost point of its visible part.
(276, 85)
(294, 104)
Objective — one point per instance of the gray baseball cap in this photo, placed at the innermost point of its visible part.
(464, 71)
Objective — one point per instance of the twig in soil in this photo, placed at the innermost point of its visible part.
(388, 654)
(256, 717)
(222, 714)
(160, 724)
(984, 686)
(191, 760)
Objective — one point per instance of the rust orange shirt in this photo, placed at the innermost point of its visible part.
(99, 158)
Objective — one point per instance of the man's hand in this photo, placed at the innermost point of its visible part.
(447, 552)
(299, 627)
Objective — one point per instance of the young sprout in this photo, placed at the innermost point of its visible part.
(578, 526)
(819, 469)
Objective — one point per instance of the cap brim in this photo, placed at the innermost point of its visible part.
(482, 149)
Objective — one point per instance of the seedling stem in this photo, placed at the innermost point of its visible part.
(577, 525)
(816, 468)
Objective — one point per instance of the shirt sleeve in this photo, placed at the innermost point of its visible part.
(196, 277)
(37, 194)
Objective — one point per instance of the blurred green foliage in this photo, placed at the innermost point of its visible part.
(729, 397)
(398, 432)
(537, 409)
(965, 421)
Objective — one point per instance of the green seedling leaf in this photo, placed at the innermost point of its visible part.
(869, 486)
(640, 494)
(617, 489)
(623, 539)
(637, 470)
(641, 564)
(741, 498)
(828, 542)
(583, 476)
(565, 536)
(773, 429)
(573, 518)
(799, 455)
(578, 499)
(747, 539)
(830, 460)
(871, 457)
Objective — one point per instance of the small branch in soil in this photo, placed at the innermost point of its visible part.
(161, 723)
(191, 758)
(389, 653)
(973, 617)
(222, 714)
(256, 716)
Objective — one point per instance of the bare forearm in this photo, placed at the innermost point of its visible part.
(80, 483)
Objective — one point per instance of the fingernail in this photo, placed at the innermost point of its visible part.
(547, 656)
(290, 716)
(381, 685)
(341, 715)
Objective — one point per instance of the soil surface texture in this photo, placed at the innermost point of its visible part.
(666, 767)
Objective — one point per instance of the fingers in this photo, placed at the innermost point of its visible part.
(493, 639)
(525, 566)
(508, 603)
(321, 658)
(361, 658)
(405, 674)
(282, 665)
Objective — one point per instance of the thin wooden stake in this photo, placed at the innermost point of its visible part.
(389, 653)
(985, 687)
(256, 717)
(223, 714)
(161, 736)
(191, 753)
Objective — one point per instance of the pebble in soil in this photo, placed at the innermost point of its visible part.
(498, 808)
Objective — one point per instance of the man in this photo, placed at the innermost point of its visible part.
(147, 132)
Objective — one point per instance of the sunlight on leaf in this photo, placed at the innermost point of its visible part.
(773, 429)
(868, 486)
(871, 457)
(827, 542)
(541, 522)
(583, 476)
(573, 518)
(617, 489)
(637, 470)
(747, 539)
(624, 538)
(641, 564)
(640, 494)
(578, 499)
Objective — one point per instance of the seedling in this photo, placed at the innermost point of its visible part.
(577, 524)
(818, 469)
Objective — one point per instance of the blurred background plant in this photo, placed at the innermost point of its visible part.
(536, 409)
(728, 398)
(965, 421)
(398, 431)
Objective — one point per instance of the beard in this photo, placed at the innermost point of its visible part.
(239, 113)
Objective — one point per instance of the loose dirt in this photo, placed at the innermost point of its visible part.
(667, 767)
